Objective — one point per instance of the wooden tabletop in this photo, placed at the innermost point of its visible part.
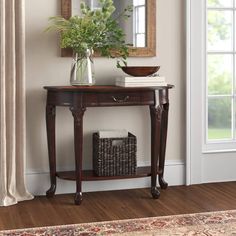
(103, 88)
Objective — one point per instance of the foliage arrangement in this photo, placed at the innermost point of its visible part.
(94, 29)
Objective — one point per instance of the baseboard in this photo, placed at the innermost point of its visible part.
(38, 182)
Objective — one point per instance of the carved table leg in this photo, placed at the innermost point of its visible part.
(164, 126)
(155, 113)
(50, 122)
(78, 146)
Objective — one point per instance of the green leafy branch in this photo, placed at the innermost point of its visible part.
(94, 29)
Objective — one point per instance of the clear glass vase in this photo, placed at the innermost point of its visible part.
(82, 69)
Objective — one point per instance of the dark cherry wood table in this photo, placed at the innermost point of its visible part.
(78, 99)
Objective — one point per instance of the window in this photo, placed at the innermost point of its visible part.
(221, 73)
(139, 23)
(94, 4)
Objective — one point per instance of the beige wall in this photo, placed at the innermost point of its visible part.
(44, 66)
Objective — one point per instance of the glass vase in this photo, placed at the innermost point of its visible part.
(82, 69)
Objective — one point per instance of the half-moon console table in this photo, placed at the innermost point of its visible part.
(78, 99)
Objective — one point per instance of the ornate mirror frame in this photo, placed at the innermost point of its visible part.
(148, 51)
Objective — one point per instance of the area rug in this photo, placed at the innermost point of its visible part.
(207, 224)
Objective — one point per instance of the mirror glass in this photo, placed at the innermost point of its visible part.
(135, 27)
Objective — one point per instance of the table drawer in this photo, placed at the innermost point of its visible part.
(121, 99)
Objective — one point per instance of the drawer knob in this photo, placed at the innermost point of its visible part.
(120, 100)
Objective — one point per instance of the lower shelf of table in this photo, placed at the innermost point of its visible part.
(88, 175)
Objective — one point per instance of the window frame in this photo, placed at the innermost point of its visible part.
(135, 26)
(220, 145)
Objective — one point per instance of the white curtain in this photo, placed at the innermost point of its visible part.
(12, 103)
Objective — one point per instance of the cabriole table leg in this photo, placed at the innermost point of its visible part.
(78, 147)
(50, 122)
(155, 114)
(164, 126)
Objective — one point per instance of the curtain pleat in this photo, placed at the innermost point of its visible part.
(12, 123)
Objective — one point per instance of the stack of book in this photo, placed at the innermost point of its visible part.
(155, 81)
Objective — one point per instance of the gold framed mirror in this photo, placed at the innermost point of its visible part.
(147, 49)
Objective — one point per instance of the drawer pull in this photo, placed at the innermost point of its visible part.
(120, 100)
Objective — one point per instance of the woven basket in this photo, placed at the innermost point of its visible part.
(114, 156)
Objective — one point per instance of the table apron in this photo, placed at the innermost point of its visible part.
(100, 100)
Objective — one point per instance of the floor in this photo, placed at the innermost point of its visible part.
(113, 205)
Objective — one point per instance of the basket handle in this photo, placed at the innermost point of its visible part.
(120, 100)
(117, 142)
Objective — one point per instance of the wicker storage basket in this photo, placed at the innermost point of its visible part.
(114, 156)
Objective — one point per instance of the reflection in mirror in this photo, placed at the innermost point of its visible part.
(140, 28)
(134, 27)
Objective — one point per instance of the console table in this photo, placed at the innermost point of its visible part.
(78, 99)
